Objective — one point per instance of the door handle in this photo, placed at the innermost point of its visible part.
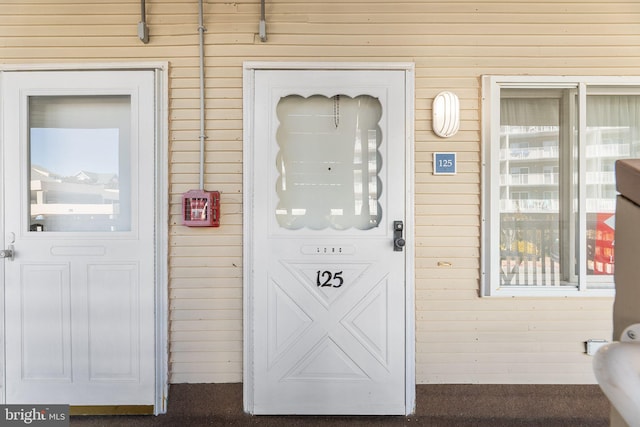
(398, 240)
(8, 253)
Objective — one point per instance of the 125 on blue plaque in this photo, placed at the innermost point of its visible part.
(444, 163)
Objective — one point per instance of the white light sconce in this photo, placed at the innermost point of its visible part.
(446, 114)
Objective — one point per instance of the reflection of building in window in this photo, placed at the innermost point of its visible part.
(541, 180)
(84, 201)
(550, 159)
(532, 187)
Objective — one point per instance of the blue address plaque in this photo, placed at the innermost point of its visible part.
(444, 164)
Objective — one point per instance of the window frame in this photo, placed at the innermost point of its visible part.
(490, 188)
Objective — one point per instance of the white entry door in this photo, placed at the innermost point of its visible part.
(326, 285)
(78, 211)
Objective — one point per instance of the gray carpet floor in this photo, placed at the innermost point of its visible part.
(436, 405)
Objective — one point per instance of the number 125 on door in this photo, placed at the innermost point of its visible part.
(444, 163)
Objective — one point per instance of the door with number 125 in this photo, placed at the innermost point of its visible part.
(325, 251)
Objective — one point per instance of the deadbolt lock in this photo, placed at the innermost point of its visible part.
(398, 240)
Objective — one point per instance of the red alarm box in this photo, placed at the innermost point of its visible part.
(201, 208)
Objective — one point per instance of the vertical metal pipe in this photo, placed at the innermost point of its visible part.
(263, 24)
(143, 30)
(201, 31)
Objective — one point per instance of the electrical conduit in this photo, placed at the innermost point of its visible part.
(201, 30)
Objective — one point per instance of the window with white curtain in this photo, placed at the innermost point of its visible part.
(550, 147)
(328, 162)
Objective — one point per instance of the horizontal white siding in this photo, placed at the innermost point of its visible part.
(461, 338)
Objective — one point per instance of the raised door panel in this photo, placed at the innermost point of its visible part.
(45, 329)
(114, 351)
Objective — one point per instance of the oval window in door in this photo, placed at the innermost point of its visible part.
(328, 162)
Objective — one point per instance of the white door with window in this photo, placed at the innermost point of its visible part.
(325, 232)
(78, 219)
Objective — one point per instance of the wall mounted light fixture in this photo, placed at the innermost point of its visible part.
(446, 114)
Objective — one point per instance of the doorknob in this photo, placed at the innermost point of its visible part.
(398, 240)
(8, 253)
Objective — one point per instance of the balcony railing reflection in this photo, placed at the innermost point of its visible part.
(530, 179)
(552, 205)
(608, 150)
(601, 178)
(529, 205)
(533, 153)
(529, 252)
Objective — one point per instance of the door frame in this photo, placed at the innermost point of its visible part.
(249, 69)
(161, 213)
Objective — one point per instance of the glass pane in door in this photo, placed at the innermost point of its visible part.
(79, 163)
(328, 162)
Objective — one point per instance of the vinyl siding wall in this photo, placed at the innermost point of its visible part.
(461, 338)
